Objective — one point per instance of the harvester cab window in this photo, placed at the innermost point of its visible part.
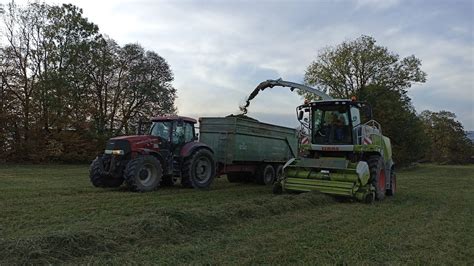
(178, 133)
(331, 125)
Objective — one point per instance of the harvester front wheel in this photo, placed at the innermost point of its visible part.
(277, 188)
(99, 178)
(143, 173)
(393, 184)
(377, 175)
(266, 175)
(199, 170)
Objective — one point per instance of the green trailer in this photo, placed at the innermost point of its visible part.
(246, 149)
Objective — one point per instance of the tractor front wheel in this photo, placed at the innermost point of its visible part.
(377, 175)
(99, 178)
(143, 173)
(199, 170)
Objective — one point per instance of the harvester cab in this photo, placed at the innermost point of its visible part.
(168, 152)
(347, 155)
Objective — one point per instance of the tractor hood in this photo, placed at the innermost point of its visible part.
(125, 144)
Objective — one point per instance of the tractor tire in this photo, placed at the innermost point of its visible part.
(99, 179)
(377, 176)
(199, 169)
(168, 181)
(143, 173)
(265, 175)
(393, 184)
(234, 177)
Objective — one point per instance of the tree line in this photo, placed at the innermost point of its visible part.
(372, 73)
(65, 87)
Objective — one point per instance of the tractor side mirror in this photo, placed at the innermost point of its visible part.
(300, 115)
(196, 137)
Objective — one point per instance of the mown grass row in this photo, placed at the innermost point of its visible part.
(51, 214)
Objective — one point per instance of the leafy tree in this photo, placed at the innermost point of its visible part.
(349, 68)
(394, 111)
(449, 142)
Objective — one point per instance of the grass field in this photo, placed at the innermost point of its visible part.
(52, 214)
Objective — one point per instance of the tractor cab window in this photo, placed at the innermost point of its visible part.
(331, 125)
(188, 132)
(161, 129)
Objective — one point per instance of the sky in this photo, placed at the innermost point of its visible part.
(219, 51)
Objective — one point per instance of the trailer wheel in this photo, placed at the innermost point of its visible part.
(278, 172)
(266, 175)
(377, 175)
(393, 183)
(143, 173)
(199, 170)
(99, 178)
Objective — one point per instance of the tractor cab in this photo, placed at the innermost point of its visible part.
(174, 131)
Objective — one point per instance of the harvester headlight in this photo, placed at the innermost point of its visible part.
(114, 152)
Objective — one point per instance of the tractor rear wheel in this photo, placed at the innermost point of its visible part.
(377, 175)
(199, 170)
(266, 175)
(393, 183)
(99, 178)
(143, 173)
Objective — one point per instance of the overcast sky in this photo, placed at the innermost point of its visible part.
(220, 50)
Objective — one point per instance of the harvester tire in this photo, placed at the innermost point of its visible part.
(265, 175)
(199, 169)
(393, 183)
(143, 173)
(99, 178)
(377, 176)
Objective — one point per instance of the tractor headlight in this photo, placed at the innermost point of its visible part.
(114, 152)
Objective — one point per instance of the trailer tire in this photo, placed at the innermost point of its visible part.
(393, 183)
(99, 178)
(278, 172)
(266, 175)
(377, 175)
(143, 173)
(199, 169)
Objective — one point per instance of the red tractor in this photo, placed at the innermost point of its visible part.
(169, 152)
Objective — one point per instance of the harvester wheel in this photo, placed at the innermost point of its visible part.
(266, 175)
(143, 173)
(168, 181)
(199, 170)
(393, 183)
(377, 175)
(99, 178)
